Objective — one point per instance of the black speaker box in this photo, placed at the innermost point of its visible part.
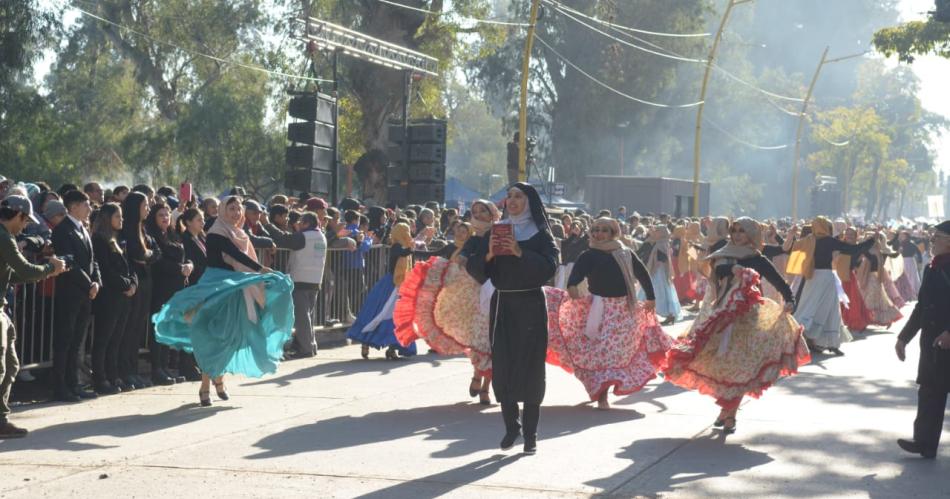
(315, 181)
(317, 107)
(312, 133)
(312, 157)
(398, 195)
(434, 132)
(422, 153)
(427, 172)
(420, 193)
(397, 175)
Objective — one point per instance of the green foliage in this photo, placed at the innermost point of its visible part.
(477, 148)
(913, 39)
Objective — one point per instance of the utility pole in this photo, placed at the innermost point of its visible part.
(801, 124)
(698, 144)
(523, 110)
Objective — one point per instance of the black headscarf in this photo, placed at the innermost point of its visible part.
(536, 206)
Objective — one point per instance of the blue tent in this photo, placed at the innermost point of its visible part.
(457, 193)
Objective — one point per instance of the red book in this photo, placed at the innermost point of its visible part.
(501, 231)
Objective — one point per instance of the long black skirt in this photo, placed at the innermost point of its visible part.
(519, 345)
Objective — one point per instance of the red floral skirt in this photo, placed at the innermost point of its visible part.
(856, 315)
(623, 353)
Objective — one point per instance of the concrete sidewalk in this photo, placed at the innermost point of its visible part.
(339, 426)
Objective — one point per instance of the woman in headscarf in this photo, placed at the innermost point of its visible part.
(374, 326)
(576, 241)
(855, 314)
(871, 276)
(526, 259)
(656, 250)
(683, 278)
(441, 303)
(238, 316)
(608, 339)
(740, 343)
(775, 250)
(909, 281)
(818, 309)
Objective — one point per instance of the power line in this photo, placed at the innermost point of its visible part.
(743, 142)
(558, 5)
(608, 87)
(201, 54)
(624, 42)
(463, 18)
(670, 54)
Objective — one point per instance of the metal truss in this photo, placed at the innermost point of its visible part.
(355, 44)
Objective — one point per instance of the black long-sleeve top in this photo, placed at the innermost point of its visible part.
(572, 247)
(907, 249)
(537, 265)
(218, 246)
(771, 251)
(141, 257)
(195, 254)
(647, 248)
(604, 277)
(117, 276)
(826, 246)
(764, 267)
(395, 253)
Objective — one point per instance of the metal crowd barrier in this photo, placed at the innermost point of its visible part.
(344, 288)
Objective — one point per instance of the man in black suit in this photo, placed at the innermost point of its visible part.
(931, 317)
(75, 290)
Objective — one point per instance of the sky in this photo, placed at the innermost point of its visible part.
(934, 74)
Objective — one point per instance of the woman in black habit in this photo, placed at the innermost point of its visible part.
(518, 321)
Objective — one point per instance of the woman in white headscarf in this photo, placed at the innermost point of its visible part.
(740, 343)
(518, 262)
(658, 263)
(442, 304)
(608, 339)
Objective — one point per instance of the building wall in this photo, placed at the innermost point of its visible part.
(643, 194)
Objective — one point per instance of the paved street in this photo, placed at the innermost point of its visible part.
(339, 426)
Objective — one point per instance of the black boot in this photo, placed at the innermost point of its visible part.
(532, 412)
(509, 411)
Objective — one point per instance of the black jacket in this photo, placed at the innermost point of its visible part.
(931, 317)
(197, 254)
(117, 275)
(83, 271)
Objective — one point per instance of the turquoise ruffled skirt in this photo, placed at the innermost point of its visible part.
(210, 319)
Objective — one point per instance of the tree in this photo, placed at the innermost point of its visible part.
(914, 38)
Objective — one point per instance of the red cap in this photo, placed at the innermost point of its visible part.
(314, 204)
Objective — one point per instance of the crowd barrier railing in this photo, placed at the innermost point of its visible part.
(345, 285)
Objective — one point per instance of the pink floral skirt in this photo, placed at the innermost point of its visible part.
(882, 309)
(623, 353)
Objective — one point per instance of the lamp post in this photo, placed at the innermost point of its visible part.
(801, 123)
(697, 145)
(523, 109)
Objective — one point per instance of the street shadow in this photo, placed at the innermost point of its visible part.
(69, 436)
(709, 457)
(852, 390)
(340, 368)
(651, 394)
(440, 484)
(464, 428)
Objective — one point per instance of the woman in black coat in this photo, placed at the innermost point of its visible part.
(171, 273)
(191, 229)
(141, 252)
(518, 321)
(114, 301)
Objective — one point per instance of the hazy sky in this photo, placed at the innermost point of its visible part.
(934, 74)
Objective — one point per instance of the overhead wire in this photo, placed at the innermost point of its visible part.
(462, 18)
(741, 141)
(558, 5)
(201, 54)
(669, 53)
(567, 61)
(629, 44)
